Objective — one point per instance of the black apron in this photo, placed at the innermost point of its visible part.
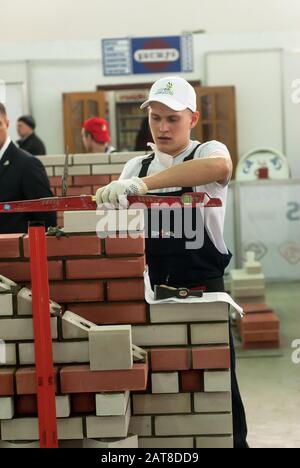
(169, 261)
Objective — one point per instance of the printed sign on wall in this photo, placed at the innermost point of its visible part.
(148, 55)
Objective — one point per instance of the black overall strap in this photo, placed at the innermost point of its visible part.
(147, 162)
(145, 165)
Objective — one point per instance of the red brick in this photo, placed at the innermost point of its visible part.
(26, 381)
(80, 379)
(128, 290)
(263, 345)
(7, 382)
(106, 268)
(76, 191)
(26, 405)
(77, 291)
(10, 245)
(168, 359)
(83, 403)
(256, 308)
(258, 322)
(20, 271)
(125, 246)
(57, 181)
(211, 358)
(115, 177)
(91, 180)
(112, 314)
(192, 381)
(260, 336)
(69, 246)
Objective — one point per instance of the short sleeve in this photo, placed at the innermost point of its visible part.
(214, 149)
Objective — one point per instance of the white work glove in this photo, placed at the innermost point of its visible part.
(116, 192)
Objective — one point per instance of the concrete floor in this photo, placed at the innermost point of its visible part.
(270, 386)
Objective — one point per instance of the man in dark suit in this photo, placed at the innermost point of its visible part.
(22, 177)
(29, 141)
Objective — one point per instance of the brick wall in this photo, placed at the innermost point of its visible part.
(185, 399)
(87, 172)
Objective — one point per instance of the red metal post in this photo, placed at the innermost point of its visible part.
(43, 338)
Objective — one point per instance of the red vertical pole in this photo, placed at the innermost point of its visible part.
(43, 338)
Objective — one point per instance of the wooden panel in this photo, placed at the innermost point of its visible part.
(77, 108)
(218, 117)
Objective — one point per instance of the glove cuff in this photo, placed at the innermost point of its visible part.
(142, 187)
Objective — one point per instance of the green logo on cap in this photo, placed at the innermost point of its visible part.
(168, 90)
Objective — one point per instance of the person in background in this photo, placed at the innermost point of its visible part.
(22, 177)
(96, 137)
(29, 141)
(144, 136)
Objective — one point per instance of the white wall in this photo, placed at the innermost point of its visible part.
(44, 20)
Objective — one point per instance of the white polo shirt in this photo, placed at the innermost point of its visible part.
(214, 217)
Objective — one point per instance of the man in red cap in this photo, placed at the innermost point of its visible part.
(95, 136)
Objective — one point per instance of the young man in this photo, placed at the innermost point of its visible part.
(179, 165)
(29, 141)
(22, 177)
(95, 136)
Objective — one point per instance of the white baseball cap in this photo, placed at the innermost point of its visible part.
(173, 92)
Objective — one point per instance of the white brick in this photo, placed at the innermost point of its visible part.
(117, 158)
(166, 442)
(19, 445)
(241, 279)
(216, 333)
(108, 426)
(217, 381)
(97, 158)
(212, 402)
(242, 293)
(8, 352)
(73, 171)
(63, 406)
(202, 424)
(75, 326)
(55, 160)
(253, 268)
(107, 169)
(129, 442)
(112, 404)
(161, 404)
(6, 408)
(63, 353)
(110, 348)
(70, 429)
(24, 299)
(160, 335)
(22, 329)
(49, 171)
(175, 313)
(27, 429)
(214, 442)
(6, 305)
(167, 382)
(6, 285)
(104, 222)
(141, 425)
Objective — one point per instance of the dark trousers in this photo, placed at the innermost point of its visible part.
(238, 412)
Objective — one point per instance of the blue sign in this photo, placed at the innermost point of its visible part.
(148, 55)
